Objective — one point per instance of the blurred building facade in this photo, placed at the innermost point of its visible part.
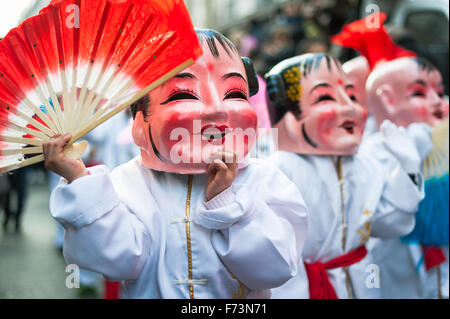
(421, 26)
(411, 22)
(223, 14)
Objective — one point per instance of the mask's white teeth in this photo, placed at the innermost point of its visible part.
(348, 126)
(214, 136)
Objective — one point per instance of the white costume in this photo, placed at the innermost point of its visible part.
(402, 265)
(403, 274)
(379, 200)
(371, 126)
(153, 231)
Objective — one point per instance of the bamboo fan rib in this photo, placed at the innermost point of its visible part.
(80, 62)
(436, 163)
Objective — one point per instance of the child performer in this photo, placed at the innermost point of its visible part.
(351, 196)
(183, 220)
(406, 89)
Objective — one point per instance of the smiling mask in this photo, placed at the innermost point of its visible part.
(200, 111)
(401, 87)
(314, 107)
(406, 91)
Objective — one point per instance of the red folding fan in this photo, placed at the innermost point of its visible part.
(80, 62)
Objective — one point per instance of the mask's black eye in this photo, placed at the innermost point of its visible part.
(181, 95)
(236, 94)
(324, 97)
(418, 93)
(353, 98)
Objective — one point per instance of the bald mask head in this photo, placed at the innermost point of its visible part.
(405, 91)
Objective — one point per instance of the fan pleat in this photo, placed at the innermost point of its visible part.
(78, 63)
(25, 151)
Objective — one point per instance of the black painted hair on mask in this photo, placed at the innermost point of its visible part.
(141, 106)
(283, 83)
(210, 36)
(424, 64)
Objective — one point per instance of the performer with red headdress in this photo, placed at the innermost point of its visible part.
(406, 89)
(192, 217)
(351, 195)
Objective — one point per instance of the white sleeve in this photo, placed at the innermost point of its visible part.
(259, 228)
(102, 235)
(394, 215)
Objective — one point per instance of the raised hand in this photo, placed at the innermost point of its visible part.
(59, 163)
(421, 135)
(221, 173)
(401, 146)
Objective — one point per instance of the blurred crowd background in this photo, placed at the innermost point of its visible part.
(268, 31)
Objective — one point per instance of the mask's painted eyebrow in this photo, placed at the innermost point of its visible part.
(419, 81)
(234, 74)
(319, 85)
(349, 86)
(186, 75)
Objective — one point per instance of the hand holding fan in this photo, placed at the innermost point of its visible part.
(80, 62)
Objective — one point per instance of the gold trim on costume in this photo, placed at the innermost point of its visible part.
(188, 234)
(339, 173)
(241, 292)
(364, 233)
(338, 168)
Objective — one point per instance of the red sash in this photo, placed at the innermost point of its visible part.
(320, 286)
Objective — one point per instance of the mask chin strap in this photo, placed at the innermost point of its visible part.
(307, 138)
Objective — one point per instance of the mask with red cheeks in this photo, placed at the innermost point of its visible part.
(324, 116)
(406, 91)
(201, 110)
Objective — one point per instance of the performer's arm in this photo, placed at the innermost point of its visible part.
(397, 153)
(102, 235)
(259, 227)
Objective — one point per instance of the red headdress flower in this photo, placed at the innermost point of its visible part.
(371, 40)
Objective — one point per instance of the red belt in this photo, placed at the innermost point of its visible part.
(320, 286)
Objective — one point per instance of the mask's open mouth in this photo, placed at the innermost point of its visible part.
(215, 133)
(349, 126)
(438, 114)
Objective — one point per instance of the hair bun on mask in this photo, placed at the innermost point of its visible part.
(211, 36)
(253, 84)
(276, 97)
(283, 83)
